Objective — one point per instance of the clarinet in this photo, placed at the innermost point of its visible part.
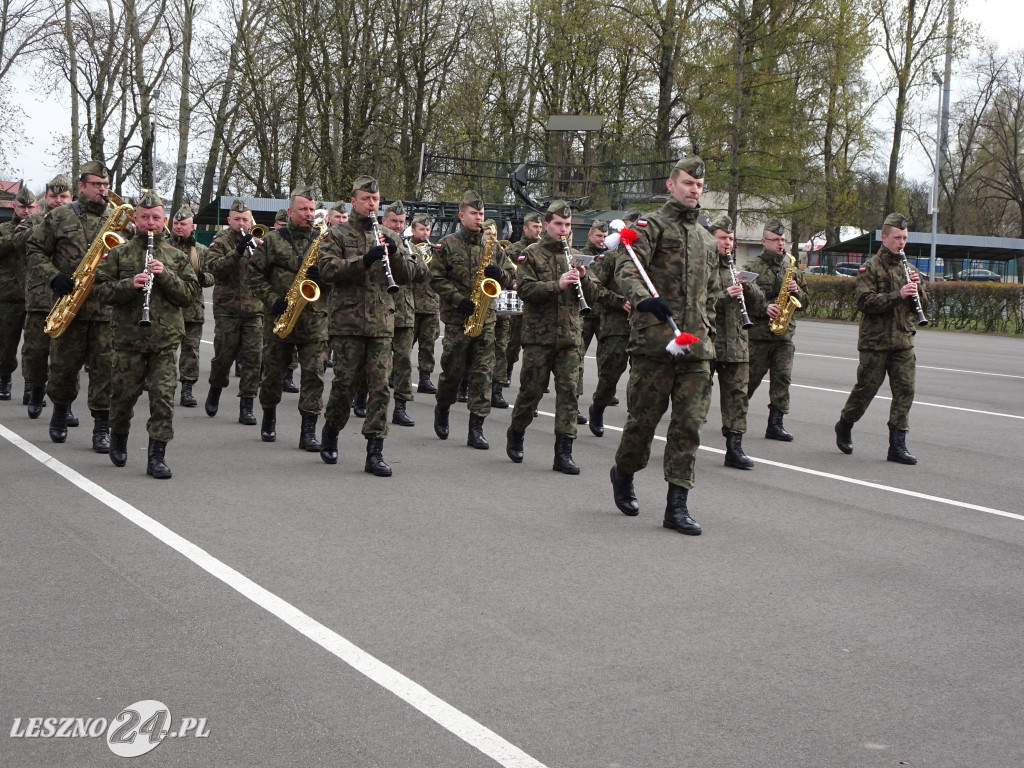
(378, 238)
(584, 307)
(742, 302)
(148, 290)
(922, 321)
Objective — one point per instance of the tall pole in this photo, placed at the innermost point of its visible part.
(935, 183)
(153, 100)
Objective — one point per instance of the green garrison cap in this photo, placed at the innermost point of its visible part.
(281, 215)
(185, 212)
(536, 218)
(473, 200)
(303, 190)
(775, 226)
(59, 183)
(240, 206)
(365, 184)
(897, 220)
(422, 218)
(600, 225)
(560, 208)
(150, 199)
(397, 208)
(25, 196)
(340, 208)
(693, 165)
(94, 168)
(490, 223)
(722, 222)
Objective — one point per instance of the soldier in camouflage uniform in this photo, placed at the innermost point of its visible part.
(405, 321)
(12, 290)
(886, 340)
(532, 225)
(502, 334)
(612, 335)
(731, 347)
(454, 270)
(362, 322)
(768, 352)
(183, 238)
(592, 321)
(552, 337)
(337, 215)
(237, 313)
(55, 249)
(146, 352)
(680, 258)
(427, 323)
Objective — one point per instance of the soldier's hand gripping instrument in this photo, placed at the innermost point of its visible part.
(147, 292)
(922, 321)
(584, 307)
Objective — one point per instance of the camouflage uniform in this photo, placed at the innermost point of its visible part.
(145, 353)
(515, 324)
(195, 314)
(427, 325)
(405, 326)
(12, 292)
(613, 331)
(591, 323)
(35, 347)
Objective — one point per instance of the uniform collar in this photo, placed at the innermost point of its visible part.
(889, 256)
(143, 237)
(471, 238)
(360, 222)
(680, 212)
(179, 240)
(87, 205)
(298, 232)
(772, 259)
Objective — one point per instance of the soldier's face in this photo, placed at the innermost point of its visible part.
(94, 188)
(302, 211)
(183, 227)
(57, 199)
(35, 207)
(420, 231)
(21, 211)
(472, 218)
(895, 239)
(774, 243)
(394, 222)
(558, 227)
(364, 202)
(685, 189)
(725, 241)
(531, 229)
(335, 217)
(597, 237)
(149, 219)
(239, 220)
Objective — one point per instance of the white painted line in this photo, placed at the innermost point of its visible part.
(929, 367)
(917, 402)
(442, 713)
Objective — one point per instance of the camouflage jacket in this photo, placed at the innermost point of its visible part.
(60, 242)
(424, 298)
(272, 270)
(196, 253)
(771, 268)
(614, 319)
(551, 316)
(38, 295)
(405, 299)
(231, 294)
(12, 264)
(731, 345)
(888, 321)
(679, 256)
(515, 250)
(360, 304)
(453, 272)
(173, 290)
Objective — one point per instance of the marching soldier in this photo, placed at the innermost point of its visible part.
(12, 290)
(280, 218)
(427, 326)
(183, 238)
(272, 271)
(532, 223)
(731, 348)
(502, 332)
(679, 256)
(237, 314)
(552, 337)
(337, 215)
(55, 249)
(167, 285)
(886, 340)
(768, 352)
(592, 322)
(612, 335)
(454, 270)
(362, 321)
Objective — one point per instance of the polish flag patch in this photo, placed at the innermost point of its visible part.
(641, 223)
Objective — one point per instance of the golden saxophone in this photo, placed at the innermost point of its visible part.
(302, 290)
(787, 302)
(67, 306)
(485, 289)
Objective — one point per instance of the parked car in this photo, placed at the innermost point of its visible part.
(847, 268)
(818, 270)
(981, 275)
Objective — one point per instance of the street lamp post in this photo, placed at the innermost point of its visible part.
(935, 182)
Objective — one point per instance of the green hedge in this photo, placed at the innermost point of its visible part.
(966, 306)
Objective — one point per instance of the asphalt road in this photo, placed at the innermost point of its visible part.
(838, 610)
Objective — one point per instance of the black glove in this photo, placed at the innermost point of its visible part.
(201, 277)
(313, 273)
(466, 307)
(657, 306)
(62, 284)
(279, 307)
(373, 255)
(243, 244)
(492, 271)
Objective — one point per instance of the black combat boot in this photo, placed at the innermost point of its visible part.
(359, 405)
(844, 436)
(597, 420)
(677, 516)
(508, 377)
(27, 397)
(212, 401)
(59, 423)
(463, 394)
(441, 420)
(307, 433)
(101, 431)
(898, 447)
(775, 430)
(238, 368)
(375, 463)
(476, 438)
(268, 428)
(580, 418)
(734, 455)
(497, 400)
(426, 386)
(118, 449)
(329, 443)
(187, 399)
(37, 402)
(514, 444)
(245, 414)
(5, 388)
(622, 491)
(400, 417)
(156, 465)
(330, 359)
(614, 400)
(563, 456)
(72, 419)
(289, 381)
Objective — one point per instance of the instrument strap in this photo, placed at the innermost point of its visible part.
(288, 237)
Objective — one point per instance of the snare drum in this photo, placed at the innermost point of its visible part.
(508, 304)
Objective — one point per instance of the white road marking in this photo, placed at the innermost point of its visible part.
(929, 367)
(916, 402)
(438, 710)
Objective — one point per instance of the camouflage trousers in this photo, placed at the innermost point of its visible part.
(35, 349)
(652, 384)
(733, 379)
(131, 369)
(425, 334)
(515, 341)
(277, 356)
(472, 359)
(901, 367)
(355, 358)
(612, 360)
(12, 320)
(401, 364)
(539, 362)
(502, 332)
(85, 341)
(240, 337)
(188, 359)
(776, 357)
(590, 325)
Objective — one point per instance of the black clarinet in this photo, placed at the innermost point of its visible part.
(584, 307)
(148, 290)
(392, 285)
(922, 321)
(743, 302)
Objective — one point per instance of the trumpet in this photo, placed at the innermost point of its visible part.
(922, 321)
(378, 239)
(584, 307)
(258, 232)
(148, 290)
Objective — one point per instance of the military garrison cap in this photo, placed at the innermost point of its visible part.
(150, 199)
(303, 190)
(397, 208)
(281, 215)
(897, 220)
(365, 184)
(560, 208)
(185, 212)
(490, 223)
(239, 205)
(59, 183)
(473, 200)
(722, 222)
(693, 165)
(25, 196)
(600, 225)
(422, 218)
(340, 208)
(534, 217)
(775, 226)
(94, 168)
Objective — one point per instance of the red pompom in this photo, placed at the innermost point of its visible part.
(686, 339)
(628, 236)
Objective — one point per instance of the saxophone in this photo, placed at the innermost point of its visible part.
(67, 306)
(484, 290)
(302, 290)
(787, 304)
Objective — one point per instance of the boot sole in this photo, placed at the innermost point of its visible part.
(566, 470)
(684, 531)
(738, 465)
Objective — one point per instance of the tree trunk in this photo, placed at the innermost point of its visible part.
(73, 78)
(184, 109)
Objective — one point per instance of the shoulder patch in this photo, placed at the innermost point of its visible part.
(522, 257)
(641, 222)
(600, 255)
